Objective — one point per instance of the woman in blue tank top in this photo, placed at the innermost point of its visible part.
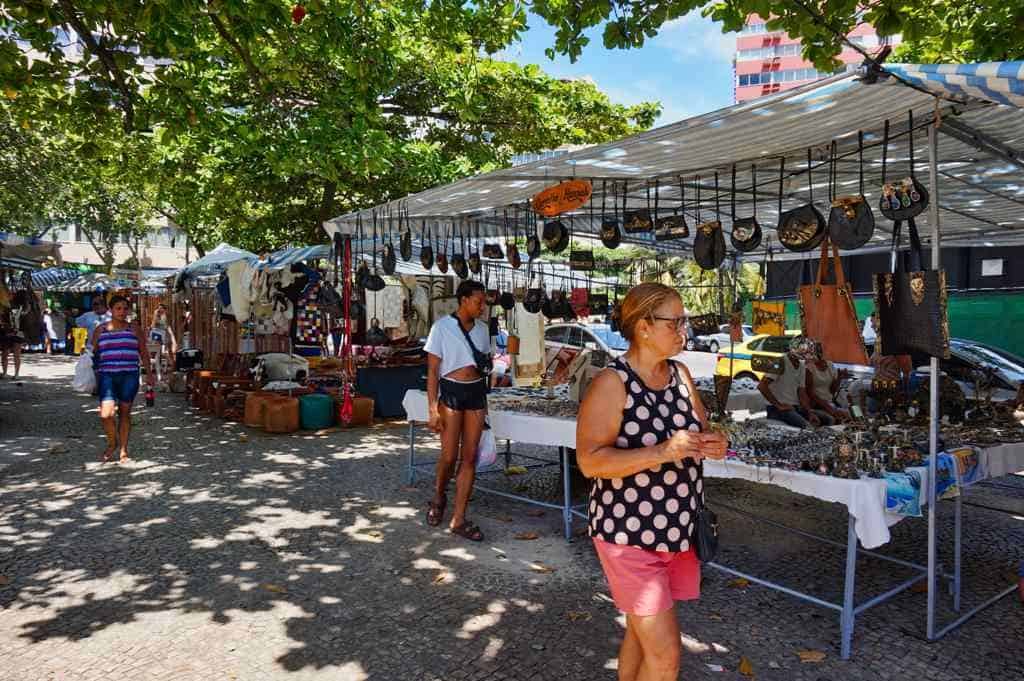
(119, 349)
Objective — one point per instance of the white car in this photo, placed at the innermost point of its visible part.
(714, 341)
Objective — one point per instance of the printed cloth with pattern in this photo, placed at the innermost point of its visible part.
(654, 509)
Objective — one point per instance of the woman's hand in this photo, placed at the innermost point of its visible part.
(683, 444)
(714, 445)
(435, 422)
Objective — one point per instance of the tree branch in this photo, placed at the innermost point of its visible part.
(254, 73)
(106, 58)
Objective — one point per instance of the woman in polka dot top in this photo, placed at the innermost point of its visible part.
(641, 436)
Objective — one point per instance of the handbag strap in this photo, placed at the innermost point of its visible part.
(910, 135)
(657, 191)
(698, 199)
(860, 156)
(895, 262)
(916, 256)
(782, 182)
(753, 185)
(885, 149)
(810, 180)
(832, 171)
(718, 210)
(836, 263)
(732, 199)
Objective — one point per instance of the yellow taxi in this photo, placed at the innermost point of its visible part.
(767, 350)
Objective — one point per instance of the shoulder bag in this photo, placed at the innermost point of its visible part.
(483, 361)
(828, 314)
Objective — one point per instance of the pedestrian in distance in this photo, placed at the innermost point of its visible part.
(119, 350)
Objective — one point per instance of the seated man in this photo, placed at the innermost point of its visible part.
(786, 393)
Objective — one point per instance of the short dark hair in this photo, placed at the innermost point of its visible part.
(467, 288)
(119, 299)
(98, 300)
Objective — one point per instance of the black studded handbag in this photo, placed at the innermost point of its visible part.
(746, 232)
(803, 228)
(851, 224)
(709, 242)
(906, 198)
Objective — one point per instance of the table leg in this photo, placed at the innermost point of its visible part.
(958, 549)
(508, 453)
(846, 618)
(412, 452)
(566, 492)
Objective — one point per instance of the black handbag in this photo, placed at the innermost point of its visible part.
(484, 362)
(746, 232)
(556, 236)
(581, 260)
(473, 261)
(637, 221)
(610, 234)
(426, 252)
(673, 226)
(851, 224)
(389, 261)
(907, 198)
(803, 228)
(709, 243)
(459, 265)
(534, 300)
(404, 236)
(373, 281)
(911, 303)
(704, 324)
(705, 530)
(441, 259)
(532, 240)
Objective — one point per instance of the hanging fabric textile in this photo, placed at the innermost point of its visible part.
(345, 411)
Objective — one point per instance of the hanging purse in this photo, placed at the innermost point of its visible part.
(532, 240)
(851, 224)
(389, 262)
(673, 226)
(404, 235)
(766, 364)
(709, 243)
(459, 265)
(907, 198)
(493, 251)
(769, 317)
(473, 261)
(556, 236)
(426, 252)
(610, 235)
(507, 299)
(803, 228)
(828, 315)
(911, 304)
(534, 300)
(374, 282)
(511, 249)
(636, 221)
(746, 232)
(704, 324)
(441, 259)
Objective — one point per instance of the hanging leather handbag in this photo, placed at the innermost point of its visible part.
(441, 259)
(532, 240)
(581, 260)
(911, 303)
(803, 228)
(851, 223)
(704, 324)
(426, 252)
(534, 299)
(769, 318)
(389, 262)
(907, 198)
(828, 314)
(709, 243)
(598, 303)
(610, 234)
(580, 301)
(458, 262)
(637, 221)
(671, 227)
(746, 232)
(565, 307)
(473, 261)
(552, 305)
(556, 236)
(404, 236)
(373, 281)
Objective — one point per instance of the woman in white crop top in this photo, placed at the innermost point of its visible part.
(458, 357)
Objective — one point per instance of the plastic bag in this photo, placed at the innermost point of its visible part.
(487, 450)
(85, 379)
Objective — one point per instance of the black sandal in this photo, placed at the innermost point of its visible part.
(435, 511)
(469, 531)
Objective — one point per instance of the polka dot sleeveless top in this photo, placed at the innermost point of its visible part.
(656, 508)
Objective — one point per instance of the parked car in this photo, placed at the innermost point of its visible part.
(563, 341)
(762, 344)
(712, 342)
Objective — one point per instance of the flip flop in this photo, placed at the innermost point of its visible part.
(435, 511)
(468, 531)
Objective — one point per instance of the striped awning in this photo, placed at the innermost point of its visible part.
(51, 276)
(217, 260)
(24, 252)
(999, 82)
(92, 282)
(289, 256)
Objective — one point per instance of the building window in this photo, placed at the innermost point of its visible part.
(755, 53)
(783, 76)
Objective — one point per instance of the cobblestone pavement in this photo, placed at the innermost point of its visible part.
(222, 553)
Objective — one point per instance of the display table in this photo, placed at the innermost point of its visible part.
(387, 385)
(865, 501)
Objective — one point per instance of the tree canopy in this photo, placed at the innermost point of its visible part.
(254, 122)
(941, 30)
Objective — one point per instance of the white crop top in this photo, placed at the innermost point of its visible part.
(447, 342)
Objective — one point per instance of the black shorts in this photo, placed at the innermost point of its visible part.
(464, 396)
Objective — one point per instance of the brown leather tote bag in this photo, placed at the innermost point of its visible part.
(828, 313)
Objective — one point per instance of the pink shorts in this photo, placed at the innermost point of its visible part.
(646, 582)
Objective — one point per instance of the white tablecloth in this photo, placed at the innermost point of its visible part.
(864, 498)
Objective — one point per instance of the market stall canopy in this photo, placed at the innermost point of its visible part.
(27, 253)
(51, 276)
(287, 257)
(980, 174)
(92, 282)
(217, 260)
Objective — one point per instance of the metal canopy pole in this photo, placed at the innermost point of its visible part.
(933, 425)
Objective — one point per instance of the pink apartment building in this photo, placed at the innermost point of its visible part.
(769, 62)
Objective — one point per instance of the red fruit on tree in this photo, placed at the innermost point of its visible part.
(298, 14)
